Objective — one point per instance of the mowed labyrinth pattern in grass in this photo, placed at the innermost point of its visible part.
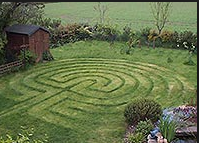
(88, 95)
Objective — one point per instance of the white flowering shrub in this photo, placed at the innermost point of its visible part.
(187, 40)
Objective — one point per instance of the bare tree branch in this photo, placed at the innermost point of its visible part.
(102, 11)
(160, 12)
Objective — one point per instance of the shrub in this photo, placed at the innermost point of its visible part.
(47, 56)
(144, 127)
(69, 33)
(166, 36)
(26, 136)
(84, 33)
(105, 33)
(142, 109)
(126, 34)
(27, 57)
(155, 38)
(48, 23)
(2, 50)
(152, 35)
(158, 42)
(53, 26)
(187, 40)
(136, 138)
(144, 34)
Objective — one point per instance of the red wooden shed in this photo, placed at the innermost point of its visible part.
(35, 38)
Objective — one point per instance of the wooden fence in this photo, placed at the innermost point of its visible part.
(6, 68)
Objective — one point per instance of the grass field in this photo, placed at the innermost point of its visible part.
(80, 96)
(135, 14)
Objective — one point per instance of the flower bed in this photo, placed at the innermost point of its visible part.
(176, 125)
(186, 119)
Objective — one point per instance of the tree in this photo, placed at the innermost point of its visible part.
(102, 9)
(19, 12)
(161, 11)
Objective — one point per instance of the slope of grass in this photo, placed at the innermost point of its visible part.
(183, 15)
(81, 95)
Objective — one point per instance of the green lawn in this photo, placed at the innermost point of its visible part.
(80, 96)
(138, 15)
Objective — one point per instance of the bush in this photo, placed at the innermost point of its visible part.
(62, 34)
(2, 50)
(48, 23)
(154, 38)
(152, 35)
(145, 32)
(144, 35)
(69, 33)
(53, 26)
(187, 40)
(126, 34)
(84, 33)
(105, 33)
(142, 109)
(26, 136)
(166, 36)
(144, 127)
(136, 138)
(47, 56)
(27, 57)
(65, 34)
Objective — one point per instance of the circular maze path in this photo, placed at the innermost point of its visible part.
(89, 94)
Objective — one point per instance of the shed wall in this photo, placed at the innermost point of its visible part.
(16, 40)
(38, 42)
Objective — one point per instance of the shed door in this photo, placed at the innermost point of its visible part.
(39, 46)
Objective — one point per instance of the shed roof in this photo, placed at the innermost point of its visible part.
(24, 29)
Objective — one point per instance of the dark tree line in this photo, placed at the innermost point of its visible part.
(19, 12)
